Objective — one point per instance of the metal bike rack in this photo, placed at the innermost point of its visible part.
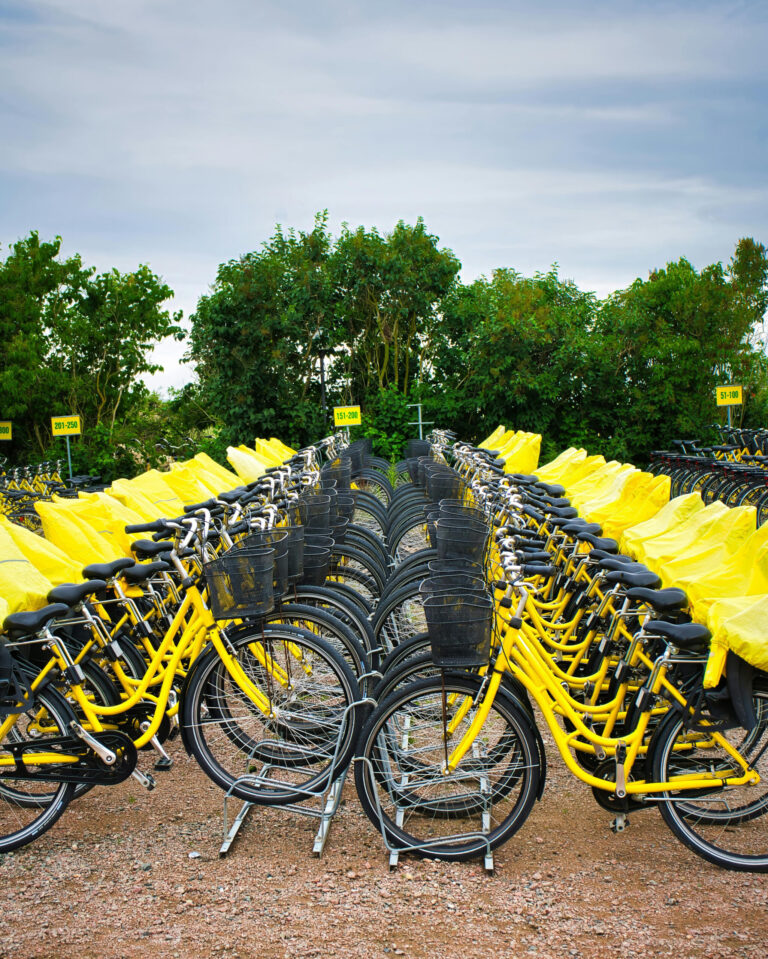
(329, 798)
(395, 851)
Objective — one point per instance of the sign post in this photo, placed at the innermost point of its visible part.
(6, 430)
(66, 426)
(729, 395)
(346, 416)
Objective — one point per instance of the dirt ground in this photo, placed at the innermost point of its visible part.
(126, 873)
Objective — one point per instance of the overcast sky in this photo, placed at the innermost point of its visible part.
(609, 137)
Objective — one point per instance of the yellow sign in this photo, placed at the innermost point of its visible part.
(6, 432)
(346, 416)
(728, 395)
(65, 425)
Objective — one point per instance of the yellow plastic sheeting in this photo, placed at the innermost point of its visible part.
(75, 536)
(248, 467)
(490, 442)
(265, 452)
(158, 492)
(48, 559)
(522, 456)
(644, 504)
(551, 471)
(710, 526)
(186, 486)
(122, 491)
(216, 469)
(595, 483)
(710, 562)
(610, 495)
(281, 447)
(5, 610)
(742, 625)
(744, 574)
(579, 470)
(209, 480)
(22, 586)
(676, 511)
(109, 517)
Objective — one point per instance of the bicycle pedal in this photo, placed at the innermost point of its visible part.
(163, 763)
(619, 824)
(144, 779)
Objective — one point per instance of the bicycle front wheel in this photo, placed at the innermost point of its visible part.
(293, 749)
(726, 825)
(399, 770)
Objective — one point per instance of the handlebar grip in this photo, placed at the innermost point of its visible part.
(208, 504)
(154, 527)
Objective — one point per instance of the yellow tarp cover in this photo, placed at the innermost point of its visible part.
(593, 484)
(742, 625)
(281, 446)
(75, 536)
(132, 498)
(648, 499)
(48, 559)
(611, 491)
(708, 560)
(490, 442)
(707, 527)
(248, 467)
(22, 586)
(186, 486)
(745, 573)
(153, 486)
(578, 470)
(670, 515)
(266, 453)
(109, 517)
(209, 480)
(550, 471)
(522, 455)
(226, 476)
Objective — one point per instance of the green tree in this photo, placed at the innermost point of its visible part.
(77, 342)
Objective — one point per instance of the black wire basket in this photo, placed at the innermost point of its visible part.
(445, 484)
(345, 505)
(416, 448)
(276, 539)
(317, 562)
(240, 583)
(341, 471)
(460, 538)
(439, 567)
(318, 512)
(339, 529)
(453, 583)
(457, 507)
(460, 628)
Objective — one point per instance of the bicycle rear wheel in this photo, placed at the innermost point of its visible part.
(726, 825)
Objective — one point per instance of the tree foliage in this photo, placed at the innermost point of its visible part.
(76, 341)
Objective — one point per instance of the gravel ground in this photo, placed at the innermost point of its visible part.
(114, 879)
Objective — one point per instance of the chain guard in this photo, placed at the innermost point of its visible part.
(88, 769)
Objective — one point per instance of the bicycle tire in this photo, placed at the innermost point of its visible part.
(411, 723)
(229, 736)
(29, 808)
(398, 617)
(726, 826)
